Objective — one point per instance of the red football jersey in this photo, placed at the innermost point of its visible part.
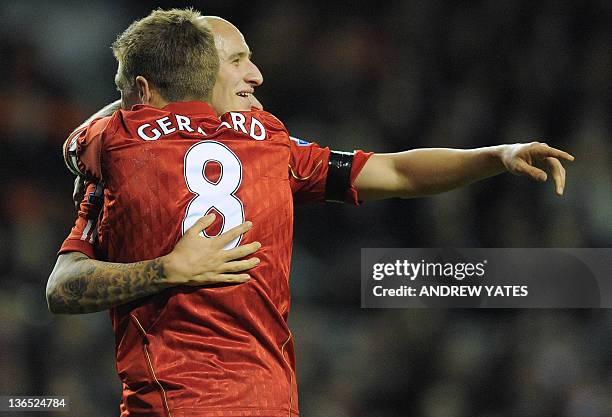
(224, 350)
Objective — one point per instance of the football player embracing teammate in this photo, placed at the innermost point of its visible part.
(167, 158)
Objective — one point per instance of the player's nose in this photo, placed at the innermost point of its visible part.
(254, 76)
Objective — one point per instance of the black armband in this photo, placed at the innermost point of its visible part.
(338, 176)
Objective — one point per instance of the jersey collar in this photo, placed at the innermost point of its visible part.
(185, 107)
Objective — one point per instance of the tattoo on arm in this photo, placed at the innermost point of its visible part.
(82, 285)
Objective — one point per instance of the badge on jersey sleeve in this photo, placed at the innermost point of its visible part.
(299, 142)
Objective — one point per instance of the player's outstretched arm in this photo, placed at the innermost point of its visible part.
(79, 284)
(422, 172)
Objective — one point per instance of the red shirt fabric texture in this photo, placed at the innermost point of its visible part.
(222, 350)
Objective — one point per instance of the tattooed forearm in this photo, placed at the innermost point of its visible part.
(82, 285)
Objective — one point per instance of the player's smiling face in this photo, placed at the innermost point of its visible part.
(238, 76)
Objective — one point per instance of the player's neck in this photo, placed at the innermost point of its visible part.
(156, 100)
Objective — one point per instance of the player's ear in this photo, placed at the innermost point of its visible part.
(144, 90)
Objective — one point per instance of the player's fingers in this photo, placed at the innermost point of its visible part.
(201, 224)
(523, 168)
(558, 173)
(241, 251)
(544, 150)
(236, 278)
(238, 266)
(219, 279)
(233, 233)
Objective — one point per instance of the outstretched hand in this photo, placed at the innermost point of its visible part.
(536, 160)
(198, 260)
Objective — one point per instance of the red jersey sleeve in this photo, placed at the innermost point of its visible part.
(84, 232)
(308, 169)
(83, 148)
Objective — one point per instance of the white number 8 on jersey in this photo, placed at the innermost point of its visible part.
(209, 195)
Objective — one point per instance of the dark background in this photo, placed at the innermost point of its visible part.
(380, 76)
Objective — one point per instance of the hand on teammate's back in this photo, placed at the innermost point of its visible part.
(199, 260)
(535, 160)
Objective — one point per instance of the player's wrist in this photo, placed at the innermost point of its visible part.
(172, 272)
(499, 156)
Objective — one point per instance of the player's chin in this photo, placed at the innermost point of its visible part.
(242, 104)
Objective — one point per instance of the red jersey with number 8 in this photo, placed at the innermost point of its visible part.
(222, 350)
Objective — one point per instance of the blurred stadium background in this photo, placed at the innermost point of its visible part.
(381, 76)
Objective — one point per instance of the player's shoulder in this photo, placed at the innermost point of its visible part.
(94, 128)
(106, 126)
(258, 124)
(269, 120)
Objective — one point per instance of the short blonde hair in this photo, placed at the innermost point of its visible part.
(174, 50)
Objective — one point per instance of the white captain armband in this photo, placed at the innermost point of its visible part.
(70, 157)
(338, 176)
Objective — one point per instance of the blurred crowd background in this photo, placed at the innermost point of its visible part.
(380, 76)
